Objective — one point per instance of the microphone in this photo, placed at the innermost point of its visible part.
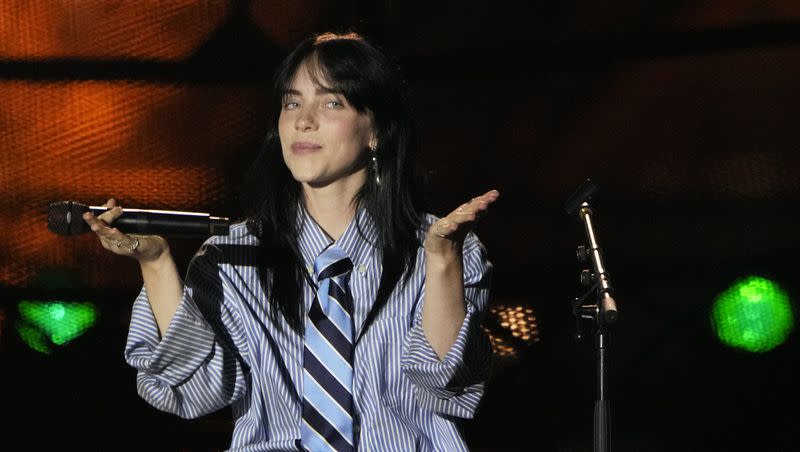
(65, 218)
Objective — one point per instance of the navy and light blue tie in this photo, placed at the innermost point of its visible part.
(328, 358)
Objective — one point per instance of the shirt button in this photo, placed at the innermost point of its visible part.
(362, 269)
(310, 269)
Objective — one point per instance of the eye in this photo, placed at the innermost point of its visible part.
(334, 104)
(290, 105)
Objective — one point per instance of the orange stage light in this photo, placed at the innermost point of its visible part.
(98, 29)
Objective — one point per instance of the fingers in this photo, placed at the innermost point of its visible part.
(465, 215)
(476, 207)
(100, 224)
(110, 237)
(108, 217)
(484, 199)
(112, 214)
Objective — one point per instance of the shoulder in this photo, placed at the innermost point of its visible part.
(240, 246)
(238, 234)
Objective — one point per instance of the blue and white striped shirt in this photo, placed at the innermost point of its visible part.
(221, 348)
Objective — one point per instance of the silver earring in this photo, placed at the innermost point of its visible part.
(374, 157)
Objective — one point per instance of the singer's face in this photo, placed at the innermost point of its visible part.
(323, 138)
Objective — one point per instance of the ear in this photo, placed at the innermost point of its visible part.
(372, 143)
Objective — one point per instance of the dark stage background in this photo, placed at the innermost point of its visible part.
(684, 113)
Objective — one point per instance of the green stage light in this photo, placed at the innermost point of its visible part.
(754, 314)
(44, 324)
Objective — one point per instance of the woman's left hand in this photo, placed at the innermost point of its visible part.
(446, 235)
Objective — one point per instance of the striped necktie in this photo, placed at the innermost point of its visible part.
(328, 358)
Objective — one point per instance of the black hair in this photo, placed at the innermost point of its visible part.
(371, 83)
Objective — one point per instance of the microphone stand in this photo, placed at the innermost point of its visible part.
(600, 309)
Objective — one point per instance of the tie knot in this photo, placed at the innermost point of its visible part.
(332, 262)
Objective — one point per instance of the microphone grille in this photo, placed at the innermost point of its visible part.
(64, 218)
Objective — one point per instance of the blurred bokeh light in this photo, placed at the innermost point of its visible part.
(46, 325)
(754, 315)
(511, 327)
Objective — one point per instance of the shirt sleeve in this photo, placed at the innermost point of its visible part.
(196, 368)
(455, 385)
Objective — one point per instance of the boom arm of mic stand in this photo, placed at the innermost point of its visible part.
(606, 305)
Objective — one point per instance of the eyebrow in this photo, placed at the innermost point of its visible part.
(294, 92)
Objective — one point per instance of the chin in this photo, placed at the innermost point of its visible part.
(303, 174)
(309, 180)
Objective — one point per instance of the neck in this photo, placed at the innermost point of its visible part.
(331, 206)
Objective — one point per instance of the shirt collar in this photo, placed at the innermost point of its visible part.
(358, 240)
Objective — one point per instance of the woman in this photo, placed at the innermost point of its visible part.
(338, 316)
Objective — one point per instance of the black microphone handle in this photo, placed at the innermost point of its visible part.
(137, 221)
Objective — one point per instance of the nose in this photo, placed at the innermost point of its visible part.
(306, 120)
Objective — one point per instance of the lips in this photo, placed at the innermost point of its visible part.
(304, 147)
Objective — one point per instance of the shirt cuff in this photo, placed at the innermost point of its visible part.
(188, 342)
(453, 385)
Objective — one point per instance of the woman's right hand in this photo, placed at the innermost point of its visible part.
(144, 248)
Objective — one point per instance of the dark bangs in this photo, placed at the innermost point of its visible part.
(344, 64)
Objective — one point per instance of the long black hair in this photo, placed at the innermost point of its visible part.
(370, 82)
